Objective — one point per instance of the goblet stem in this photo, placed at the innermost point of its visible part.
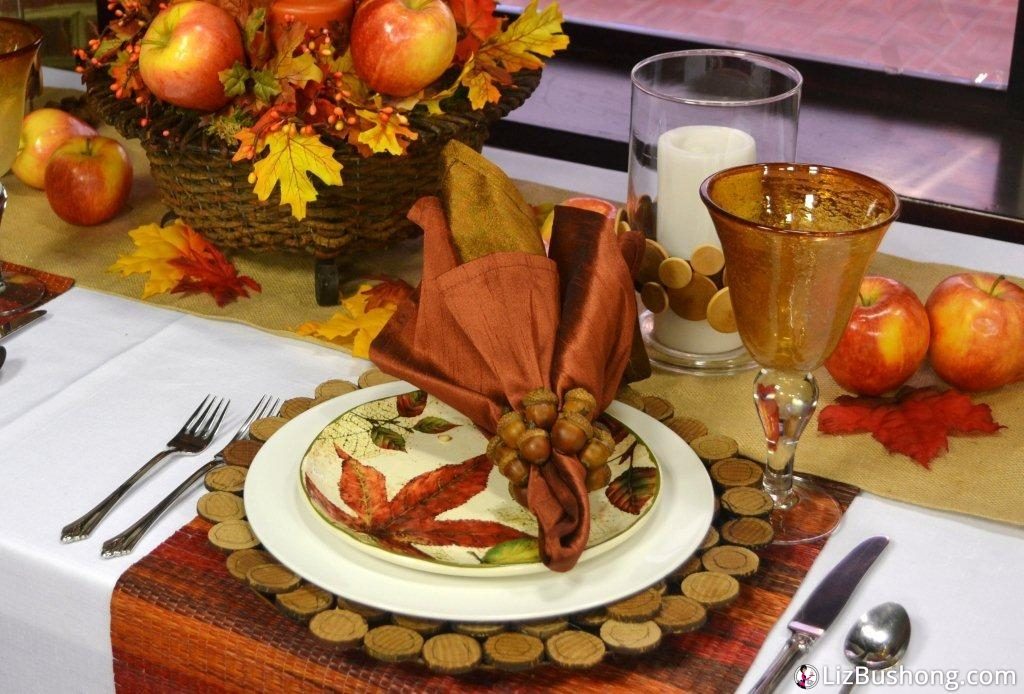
(785, 401)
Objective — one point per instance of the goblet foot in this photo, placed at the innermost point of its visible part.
(19, 292)
(808, 514)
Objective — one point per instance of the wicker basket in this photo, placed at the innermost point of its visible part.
(199, 182)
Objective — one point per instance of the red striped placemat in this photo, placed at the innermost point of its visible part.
(180, 622)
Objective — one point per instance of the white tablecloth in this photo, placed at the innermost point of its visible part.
(91, 391)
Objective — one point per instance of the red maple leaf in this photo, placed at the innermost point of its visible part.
(391, 290)
(915, 422)
(410, 518)
(476, 22)
(207, 270)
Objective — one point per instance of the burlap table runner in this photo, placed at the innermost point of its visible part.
(978, 476)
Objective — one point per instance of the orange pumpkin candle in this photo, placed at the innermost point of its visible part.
(315, 14)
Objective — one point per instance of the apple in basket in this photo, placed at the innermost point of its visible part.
(977, 331)
(401, 46)
(183, 51)
(885, 341)
(42, 132)
(88, 180)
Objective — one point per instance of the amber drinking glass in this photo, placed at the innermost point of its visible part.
(797, 239)
(19, 45)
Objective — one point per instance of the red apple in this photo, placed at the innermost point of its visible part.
(185, 49)
(401, 46)
(88, 180)
(885, 341)
(977, 331)
(42, 132)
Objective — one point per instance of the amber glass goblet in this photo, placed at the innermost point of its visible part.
(797, 239)
(19, 45)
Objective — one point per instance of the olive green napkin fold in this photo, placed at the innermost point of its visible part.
(476, 194)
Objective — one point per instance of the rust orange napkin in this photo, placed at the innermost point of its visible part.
(484, 328)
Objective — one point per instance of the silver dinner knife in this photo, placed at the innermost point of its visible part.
(821, 608)
(20, 322)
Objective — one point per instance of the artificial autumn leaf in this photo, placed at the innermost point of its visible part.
(480, 85)
(179, 260)
(125, 75)
(409, 518)
(387, 438)
(155, 247)
(411, 404)
(293, 158)
(354, 325)
(433, 425)
(915, 422)
(522, 551)
(234, 79)
(530, 36)
(297, 70)
(633, 489)
(206, 270)
(264, 85)
(390, 291)
(476, 22)
(385, 133)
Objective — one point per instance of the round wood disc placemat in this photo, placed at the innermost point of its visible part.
(634, 625)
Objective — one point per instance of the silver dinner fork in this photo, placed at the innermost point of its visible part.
(124, 542)
(195, 435)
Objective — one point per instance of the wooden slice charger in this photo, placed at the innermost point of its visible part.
(242, 453)
(232, 535)
(753, 533)
(680, 614)
(545, 629)
(304, 602)
(736, 472)
(747, 501)
(423, 627)
(333, 389)
(241, 561)
(512, 651)
(659, 408)
(687, 428)
(711, 589)
(731, 560)
(452, 654)
(220, 506)
(293, 407)
(226, 478)
(637, 608)
(631, 637)
(575, 649)
(714, 447)
(339, 627)
(393, 644)
(263, 429)
(375, 377)
(272, 578)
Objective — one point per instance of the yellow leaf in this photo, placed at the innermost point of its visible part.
(357, 90)
(155, 246)
(298, 70)
(353, 326)
(291, 160)
(386, 134)
(532, 34)
(480, 85)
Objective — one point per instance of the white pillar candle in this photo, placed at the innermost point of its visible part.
(686, 156)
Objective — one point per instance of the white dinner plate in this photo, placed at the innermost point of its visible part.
(298, 537)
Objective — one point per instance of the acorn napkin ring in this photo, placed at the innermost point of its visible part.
(528, 437)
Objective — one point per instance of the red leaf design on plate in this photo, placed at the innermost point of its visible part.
(411, 404)
(631, 490)
(410, 517)
(915, 422)
(363, 489)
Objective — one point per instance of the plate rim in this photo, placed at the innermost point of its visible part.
(467, 570)
(319, 556)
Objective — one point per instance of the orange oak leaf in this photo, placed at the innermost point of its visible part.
(410, 517)
(391, 291)
(355, 325)
(206, 270)
(915, 422)
(476, 22)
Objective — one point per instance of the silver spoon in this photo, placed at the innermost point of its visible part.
(878, 640)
